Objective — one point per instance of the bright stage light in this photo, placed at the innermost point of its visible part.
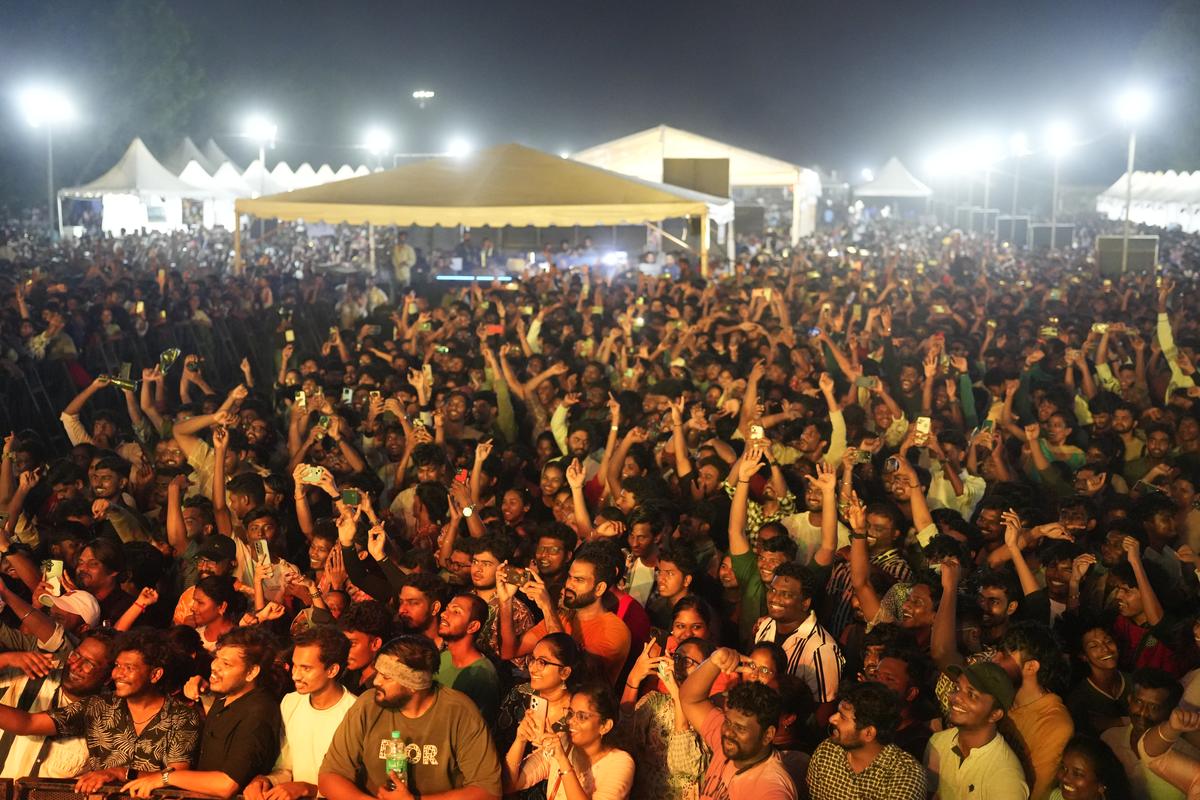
(42, 105)
(1059, 138)
(458, 147)
(1133, 104)
(261, 129)
(377, 141)
(867, 174)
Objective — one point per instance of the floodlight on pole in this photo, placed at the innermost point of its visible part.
(564, 153)
(46, 107)
(1018, 148)
(263, 131)
(1059, 139)
(1132, 106)
(423, 96)
(868, 174)
(377, 141)
(458, 147)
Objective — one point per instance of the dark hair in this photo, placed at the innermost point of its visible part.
(498, 544)
(778, 655)
(249, 484)
(415, 652)
(204, 506)
(682, 558)
(367, 616)
(1152, 678)
(261, 512)
(114, 463)
(561, 533)
(801, 574)
(1109, 772)
(332, 645)
(478, 611)
(427, 583)
(1035, 641)
(600, 556)
(110, 553)
(435, 499)
(601, 697)
(693, 602)
(257, 644)
(874, 705)
(780, 544)
(1003, 580)
(568, 653)
(220, 589)
(756, 700)
(150, 642)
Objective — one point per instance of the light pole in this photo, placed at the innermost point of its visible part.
(1132, 106)
(423, 96)
(263, 131)
(1018, 148)
(47, 107)
(378, 142)
(1058, 141)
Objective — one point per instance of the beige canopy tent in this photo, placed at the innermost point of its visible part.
(504, 185)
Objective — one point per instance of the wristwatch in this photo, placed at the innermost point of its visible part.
(166, 776)
(468, 510)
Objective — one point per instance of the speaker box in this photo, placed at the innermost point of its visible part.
(1143, 254)
(1014, 230)
(1039, 236)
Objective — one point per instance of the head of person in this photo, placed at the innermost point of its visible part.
(553, 548)
(751, 717)
(1089, 770)
(215, 598)
(404, 668)
(140, 665)
(244, 657)
(198, 519)
(999, 597)
(1031, 655)
(429, 460)
(885, 527)
(905, 671)
(676, 570)
(555, 659)
(244, 493)
(1155, 694)
(462, 618)
(766, 663)
(645, 532)
(367, 624)
(217, 555)
(109, 476)
(692, 617)
(487, 554)
(1130, 603)
(774, 547)
(918, 608)
(324, 540)
(980, 697)
(421, 599)
(319, 656)
(76, 611)
(89, 665)
(867, 714)
(593, 714)
(878, 641)
(790, 593)
(592, 572)
(579, 441)
(554, 478)
(101, 566)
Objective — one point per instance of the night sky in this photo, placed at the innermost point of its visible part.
(844, 84)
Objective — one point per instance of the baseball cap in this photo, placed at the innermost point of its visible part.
(988, 678)
(82, 604)
(217, 547)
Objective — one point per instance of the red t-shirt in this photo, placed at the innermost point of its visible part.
(1155, 654)
(606, 637)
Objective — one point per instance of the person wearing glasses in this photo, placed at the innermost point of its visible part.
(555, 665)
(586, 766)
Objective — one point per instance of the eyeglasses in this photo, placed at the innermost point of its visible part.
(750, 668)
(542, 663)
(685, 660)
(550, 550)
(582, 716)
(86, 664)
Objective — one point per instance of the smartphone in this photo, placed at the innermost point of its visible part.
(262, 554)
(1048, 332)
(460, 476)
(516, 576)
(162, 314)
(595, 309)
(428, 370)
(52, 571)
(991, 323)
(757, 432)
(1100, 327)
(374, 330)
(412, 308)
(347, 395)
(289, 336)
(814, 274)
(659, 635)
(892, 464)
(140, 308)
(539, 707)
(301, 400)
(351, 497)
(814, 333)
(766, 293)
(333, 332)
(988, 425)
(862, 456)
(528, 311)
(923, 428)
(938, 308)
(323, 421)
(866, 382)
(374, 394)
(1056, 294)
(494, 330)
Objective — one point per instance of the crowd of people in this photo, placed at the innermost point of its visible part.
(897, 512)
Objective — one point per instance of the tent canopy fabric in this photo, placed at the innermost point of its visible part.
(138, 172)
(504, 185)
(215, 155)
(894, 180)
(641, 154)
(184, 153)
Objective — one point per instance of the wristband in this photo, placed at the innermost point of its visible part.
(861, 536)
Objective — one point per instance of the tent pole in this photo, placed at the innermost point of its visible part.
(704, 244)
(371, 240)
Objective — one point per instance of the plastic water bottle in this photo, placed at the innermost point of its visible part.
(397, 760)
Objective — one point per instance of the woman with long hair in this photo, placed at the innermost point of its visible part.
(216, 608)
(578, 763)
(1089, 770)
(556, 664)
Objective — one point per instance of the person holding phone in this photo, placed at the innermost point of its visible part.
(554, 665)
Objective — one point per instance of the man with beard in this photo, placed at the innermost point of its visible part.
(859, 759)
(971, 759)
(450, 753)
(744, 763)
(111, 505)
(813, 654)
(462, 666)
(310, 715)
(100, 570)
(138, 730)
(552, 554)
(32, 687)
(582, 613)
(367, 624)
(241, 732)
(215, 555)
(1155, 694)
(421, 605)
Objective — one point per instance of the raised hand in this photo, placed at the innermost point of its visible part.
(576, 474)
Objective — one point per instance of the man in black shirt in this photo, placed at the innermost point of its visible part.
(241, 733)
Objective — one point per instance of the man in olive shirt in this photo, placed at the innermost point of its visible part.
(450, 754)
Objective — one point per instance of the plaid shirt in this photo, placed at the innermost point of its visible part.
(893, 774)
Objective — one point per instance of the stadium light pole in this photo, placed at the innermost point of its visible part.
(458, 147)
(378, 142)
(47, 107)
(1018, 148)
(1058, 141)
(1132, 107)
(263, 131)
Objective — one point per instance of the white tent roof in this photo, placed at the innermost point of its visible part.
(304, 176)
(227, 177)
(283, 175)
(894, 180)
(325, 174)
(1158, 187)
(259, 183)
(215, 154)
(138, 172)
(194, 174)
(184, 153)
(361, 169)
(641, 155)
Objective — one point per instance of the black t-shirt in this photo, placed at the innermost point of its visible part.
(242, 739)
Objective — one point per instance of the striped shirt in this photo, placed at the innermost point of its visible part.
(840, 591)
(812, 654)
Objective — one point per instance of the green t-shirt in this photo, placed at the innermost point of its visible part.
(478, 681)
(754, 594)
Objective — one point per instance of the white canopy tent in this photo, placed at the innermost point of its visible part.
(138, 193)
(325, 174)
(184, 153)
(215, 155)
(283, 175)
(218, 202)
(229, 179)
(893, 181)
(304, 176)
(1161, 199)
(641, 155)
(261, 182)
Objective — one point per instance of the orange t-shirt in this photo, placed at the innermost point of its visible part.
(606, 637)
